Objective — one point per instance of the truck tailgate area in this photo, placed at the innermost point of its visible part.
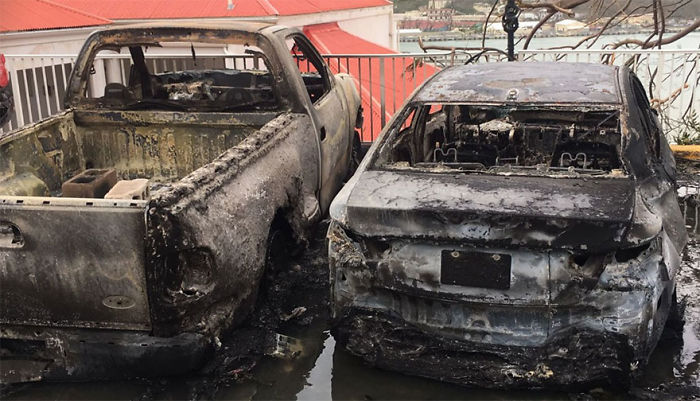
(68, 262)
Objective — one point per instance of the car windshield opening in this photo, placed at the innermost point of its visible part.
(482, 138)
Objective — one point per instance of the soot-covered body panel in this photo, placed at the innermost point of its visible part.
(513, 226)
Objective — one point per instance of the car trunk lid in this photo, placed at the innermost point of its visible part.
(509, 211)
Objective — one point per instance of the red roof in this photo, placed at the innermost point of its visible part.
(295, 7)
(25, 15)
(401, 74)
(149, 9)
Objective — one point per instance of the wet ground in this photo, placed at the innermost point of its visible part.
(323, 371)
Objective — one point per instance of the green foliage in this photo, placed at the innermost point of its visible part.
(462, 6)
(402, 6)
(690, 132)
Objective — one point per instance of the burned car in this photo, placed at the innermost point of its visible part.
(515, 225)
(135, 226)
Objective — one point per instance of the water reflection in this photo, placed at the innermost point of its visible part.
(328, 372)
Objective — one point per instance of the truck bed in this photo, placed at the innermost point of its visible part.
(51, 244)
(161, 146)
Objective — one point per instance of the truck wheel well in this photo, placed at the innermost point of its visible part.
(280, 240)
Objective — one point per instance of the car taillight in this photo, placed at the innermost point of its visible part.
(4, 80)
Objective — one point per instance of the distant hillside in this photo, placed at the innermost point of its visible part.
(463, 6)
(610, 7)
(690, 10)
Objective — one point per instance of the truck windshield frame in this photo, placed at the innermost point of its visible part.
(217, 89)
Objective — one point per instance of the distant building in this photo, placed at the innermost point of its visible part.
(437, 4)
(424, 25)
(440, 14)
(643, 20)
(494, 28)
(438, 11)
(570, 26)
(477, 18)
(524, 28)
(528, 17)
(467, 20)
(482, 8)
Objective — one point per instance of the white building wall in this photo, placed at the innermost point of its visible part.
(374, 24)
(55, 41)
(379, 29)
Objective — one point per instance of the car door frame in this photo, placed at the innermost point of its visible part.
(332, 134)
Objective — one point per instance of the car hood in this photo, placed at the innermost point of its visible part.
(580, 213)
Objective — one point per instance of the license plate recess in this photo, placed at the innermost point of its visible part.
(475, 269)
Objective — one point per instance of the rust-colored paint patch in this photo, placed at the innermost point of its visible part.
(690, 152)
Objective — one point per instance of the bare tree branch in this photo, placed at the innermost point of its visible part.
(646, 45)
(596, 36)
(563, 6)
(543, 21)
(425, 48)
(678, 5)
(486, 23)
(662, 19)
(657, 37)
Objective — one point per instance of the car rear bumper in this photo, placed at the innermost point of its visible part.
(569, 359)
(57, 354)
(551, 328)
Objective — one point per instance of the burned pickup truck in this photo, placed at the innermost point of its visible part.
(137, 222)
(515, 225)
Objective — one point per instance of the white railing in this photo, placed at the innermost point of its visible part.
(38, 85)
(672, 77)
